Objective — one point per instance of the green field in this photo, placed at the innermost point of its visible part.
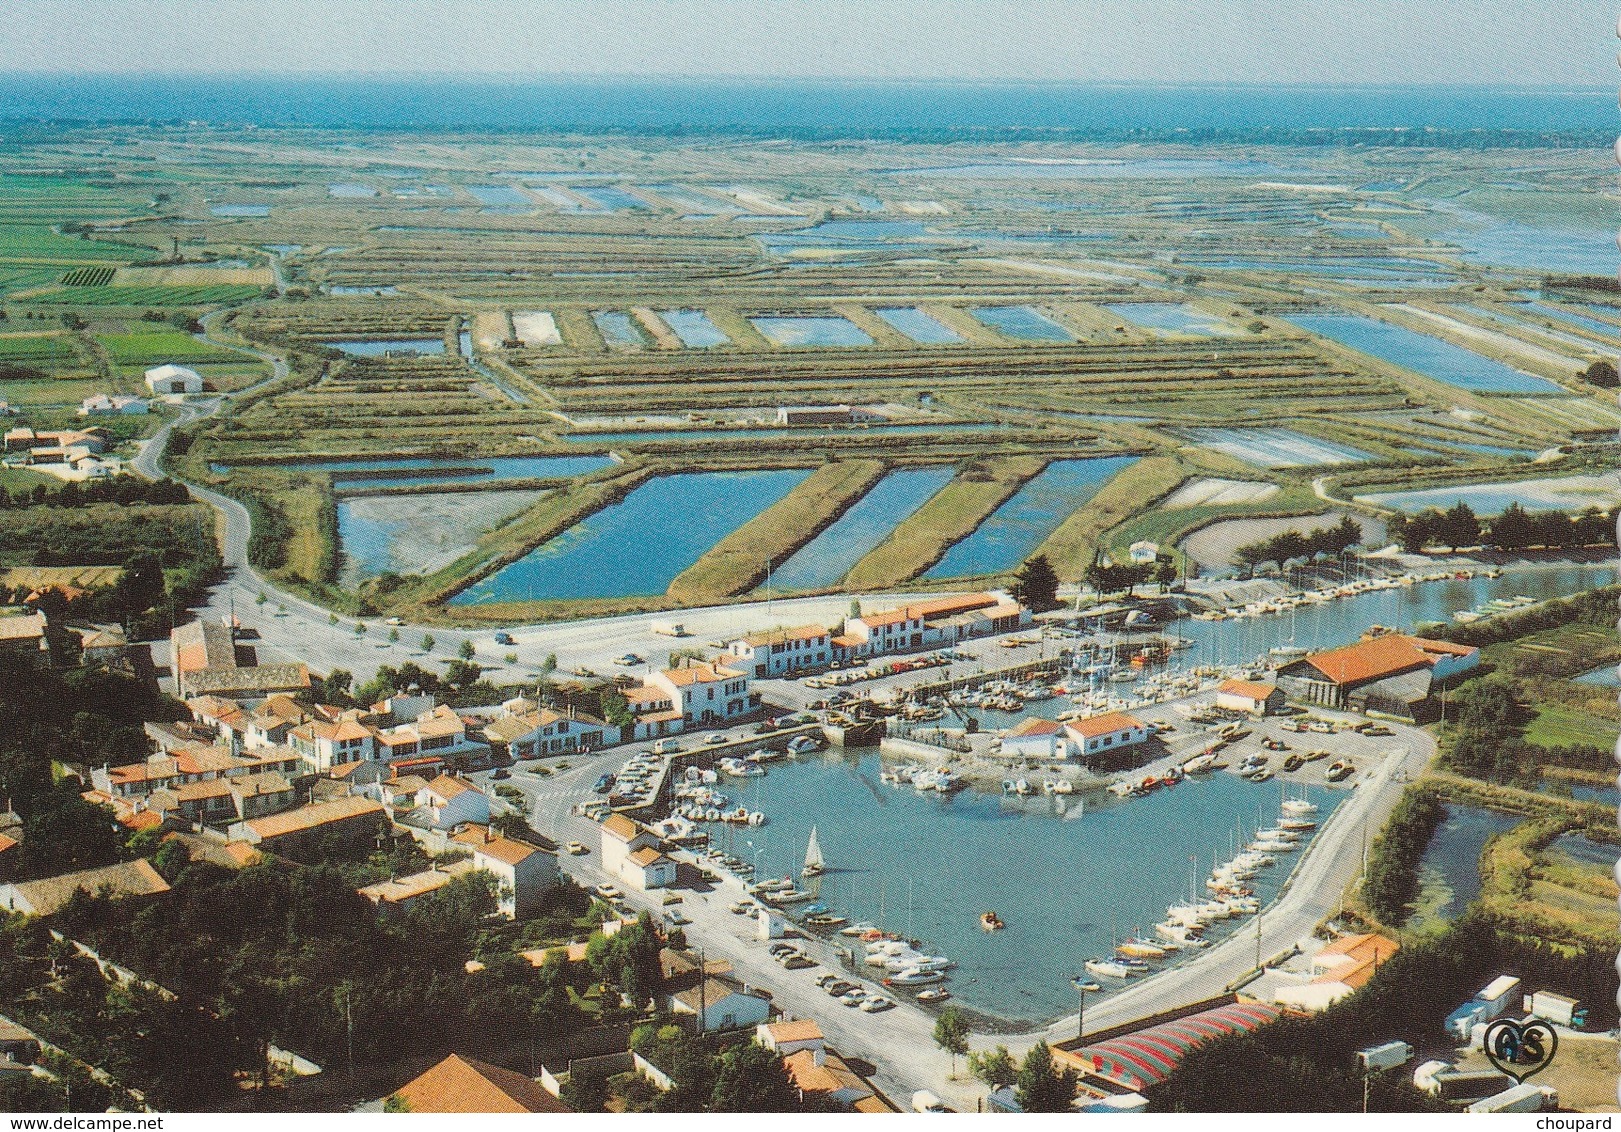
(148, 296)
(53, 349)
(34, 242)
(150, 347)
(1556, 725)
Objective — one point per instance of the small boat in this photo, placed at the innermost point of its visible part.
(1141, 949)
(914, 978)
(1113, 968)
(991, 922)
(934, 994)
(1300, 808)
(861, 928)
(825, 920)
(815, 866)
(1296, 824)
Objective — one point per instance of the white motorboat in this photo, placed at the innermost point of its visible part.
(915, 978)
(1113, 968)
(1299, 808)
(860, 928)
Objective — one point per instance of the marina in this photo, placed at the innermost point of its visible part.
(1052, 919)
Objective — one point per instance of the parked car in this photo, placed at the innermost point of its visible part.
(714, 738)
(629, 660)
(607, 892)
(799, 962)
(577, 849)
(504, 638)
(395, 621)
(677, 917)
(604, 784)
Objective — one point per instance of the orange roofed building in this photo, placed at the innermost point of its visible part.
(1339, 969)
(462, 1085)
(1391, 673)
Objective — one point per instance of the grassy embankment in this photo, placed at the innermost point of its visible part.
(951, 515)
(737, 564)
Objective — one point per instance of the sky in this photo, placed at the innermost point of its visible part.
(1335, 42)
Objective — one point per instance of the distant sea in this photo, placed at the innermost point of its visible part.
(675, 106)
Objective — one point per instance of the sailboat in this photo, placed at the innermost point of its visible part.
(815, 866)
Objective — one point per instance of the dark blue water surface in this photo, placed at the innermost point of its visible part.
(1454, 851)
(1423, 354)
(827, 558)
(827, 105)
(637, 546)
(1035, 511)
(1064, 874)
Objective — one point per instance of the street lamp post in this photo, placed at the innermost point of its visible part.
(1080, 1013)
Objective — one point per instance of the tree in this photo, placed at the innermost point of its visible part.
(1036, 584)
(393, 636)
(1041, 1087)
(428, 642)
(951, 1034)
(360, 629)
(616, 709)
(397, 1103)
(994, 1067)
(1512, 530)
(586, 1090)
(750, 1078)
(466, 650)
(1165, 572)
(170, 859)
(549, 665)
(1459, 527)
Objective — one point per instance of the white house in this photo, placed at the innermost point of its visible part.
(112, 404)
(719, 1005)
(706, 694)
(531, 734)
(633, 854)
(524, 872)
(1032, 739)
(447, 802)
(1143, 553)
(1104, 734)
(173, 379)
(323, 743)
(781, 651)
(1250, 696)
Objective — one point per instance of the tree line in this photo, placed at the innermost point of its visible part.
(1514, 529)
(1390, 883)
(121, 490)
(1296, 544)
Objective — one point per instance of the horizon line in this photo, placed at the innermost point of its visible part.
(507, 77)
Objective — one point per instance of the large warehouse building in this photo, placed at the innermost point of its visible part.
(1391, 673)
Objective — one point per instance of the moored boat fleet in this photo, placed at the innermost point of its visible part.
(1230, 896)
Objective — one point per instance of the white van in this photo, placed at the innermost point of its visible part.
(666, 747)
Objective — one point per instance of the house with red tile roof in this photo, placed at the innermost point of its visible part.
(706, 694)
(464, 1085)
(1251, 697)
(1098, 737)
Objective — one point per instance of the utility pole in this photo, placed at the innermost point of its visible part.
(1080, 1014)
(1258, 915)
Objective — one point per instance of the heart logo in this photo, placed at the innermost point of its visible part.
(1521, 1049)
